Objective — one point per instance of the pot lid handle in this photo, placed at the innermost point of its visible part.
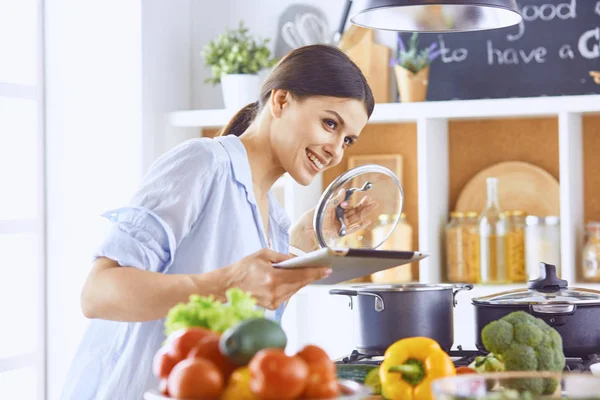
(548, 281)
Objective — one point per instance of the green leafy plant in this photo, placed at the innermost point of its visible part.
(411, 57)
(236, 52)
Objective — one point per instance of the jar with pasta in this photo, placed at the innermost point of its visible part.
(455, 254)
(515, 246)
(471, 247)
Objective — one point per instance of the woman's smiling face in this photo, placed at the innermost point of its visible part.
(310, 135)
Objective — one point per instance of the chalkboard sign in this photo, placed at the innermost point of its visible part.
(551, 53)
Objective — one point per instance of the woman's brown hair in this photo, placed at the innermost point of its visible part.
(315, 70)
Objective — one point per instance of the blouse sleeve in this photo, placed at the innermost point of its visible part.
(169, 201)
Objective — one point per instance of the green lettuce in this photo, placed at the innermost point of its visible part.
(206, 312)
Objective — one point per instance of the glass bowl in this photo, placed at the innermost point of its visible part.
(517, 386)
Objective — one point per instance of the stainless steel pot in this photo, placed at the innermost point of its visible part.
(388, 313)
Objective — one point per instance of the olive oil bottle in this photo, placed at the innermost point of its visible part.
(492, 237)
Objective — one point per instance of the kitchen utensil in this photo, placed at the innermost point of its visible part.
(372, 59)
(348, 247)
(387, 313)
(573, 312)
(292, 14)
(349, 390)
(490, 386)
(521, 186)
(306, 29)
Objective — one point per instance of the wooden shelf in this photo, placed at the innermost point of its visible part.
(413, 112)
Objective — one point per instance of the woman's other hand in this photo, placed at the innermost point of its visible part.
(269, 285)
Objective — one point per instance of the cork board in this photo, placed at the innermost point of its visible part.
(591, 168)
(390, 139)
(477, 144)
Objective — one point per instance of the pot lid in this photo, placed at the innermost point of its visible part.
(547, 289)
(374, 200)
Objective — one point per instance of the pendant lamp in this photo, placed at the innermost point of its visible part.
(437, 15)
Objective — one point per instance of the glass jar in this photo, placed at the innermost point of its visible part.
(492, 233)
(591, 253)
(471, 247)
(400, 239)
(515, 246)
(454, 247)
(542, 244)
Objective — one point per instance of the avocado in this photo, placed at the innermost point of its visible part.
(241, 342)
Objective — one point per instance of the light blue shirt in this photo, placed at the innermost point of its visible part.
(194, 212)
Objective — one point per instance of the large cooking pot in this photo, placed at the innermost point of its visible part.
(388, 313)
(573, 312)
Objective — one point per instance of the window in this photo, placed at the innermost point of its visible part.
(22, 215)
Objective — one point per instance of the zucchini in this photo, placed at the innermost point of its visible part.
(354, 372)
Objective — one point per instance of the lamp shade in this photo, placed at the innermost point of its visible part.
(437, 15)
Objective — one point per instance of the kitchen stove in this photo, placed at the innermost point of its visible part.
(462, 357)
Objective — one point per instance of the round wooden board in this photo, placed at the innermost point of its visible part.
(521, 186)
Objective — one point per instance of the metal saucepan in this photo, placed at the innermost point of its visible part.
(573, 312)
(388, 313)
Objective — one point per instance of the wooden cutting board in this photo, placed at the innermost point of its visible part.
(521, 186)
(372, 58)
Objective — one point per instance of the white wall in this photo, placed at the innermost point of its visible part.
(113, 69)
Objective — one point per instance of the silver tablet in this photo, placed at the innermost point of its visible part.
(348, 264)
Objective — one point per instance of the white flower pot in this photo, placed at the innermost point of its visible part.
(240, 89)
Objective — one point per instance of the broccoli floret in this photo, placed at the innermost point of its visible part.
(525, 343)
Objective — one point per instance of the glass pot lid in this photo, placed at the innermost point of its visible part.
(359, 209)
(547, 289)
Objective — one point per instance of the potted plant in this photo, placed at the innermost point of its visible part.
(411, 66)
(235, 58)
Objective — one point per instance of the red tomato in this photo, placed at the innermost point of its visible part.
(182, 341)
(163, 362)
(322, 374)
(276, 376)
(196, 379)
(208, 348)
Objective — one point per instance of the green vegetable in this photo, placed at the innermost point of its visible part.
(373, 382)
(522, 342)
(206, 312)
(355, 372)
(241, 342)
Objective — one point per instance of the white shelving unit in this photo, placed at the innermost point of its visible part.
(432, 152)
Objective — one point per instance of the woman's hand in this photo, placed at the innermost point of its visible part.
(303, 236)
(269, 285)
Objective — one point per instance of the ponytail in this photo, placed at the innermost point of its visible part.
(241, 120)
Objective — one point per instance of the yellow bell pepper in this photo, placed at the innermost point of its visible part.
(238, 386)
(410, 365)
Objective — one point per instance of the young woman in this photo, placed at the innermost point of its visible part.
(204, 219)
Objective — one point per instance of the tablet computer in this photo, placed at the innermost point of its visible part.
(348, 264)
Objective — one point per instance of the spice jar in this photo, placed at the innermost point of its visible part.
(542, 244)
(515, 246)
(591, 253)
(400, 239)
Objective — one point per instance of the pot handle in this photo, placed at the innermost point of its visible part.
(379, 305)
(459, 288)
(553, 314)
(345, 292)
